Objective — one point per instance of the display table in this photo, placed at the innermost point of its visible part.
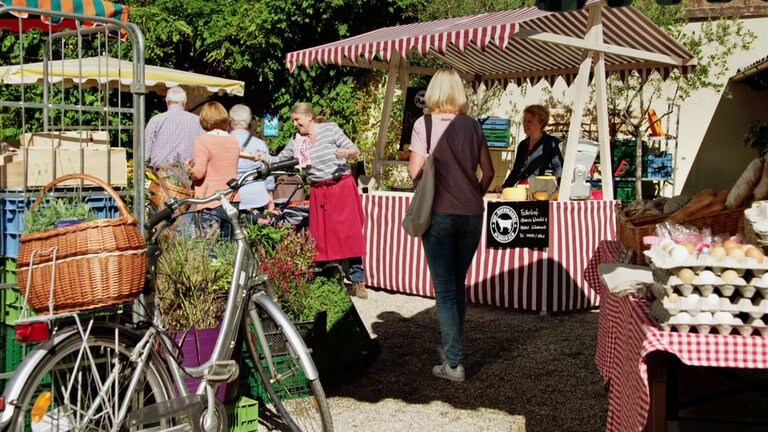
(628, 335)
(545, 280)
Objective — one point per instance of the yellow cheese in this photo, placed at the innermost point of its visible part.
(517, 193)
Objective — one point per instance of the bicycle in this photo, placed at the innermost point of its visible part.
(94, 375)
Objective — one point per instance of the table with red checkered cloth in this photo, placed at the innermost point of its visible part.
(546, 280)
(627, 334)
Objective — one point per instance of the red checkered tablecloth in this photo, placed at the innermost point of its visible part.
(627, 334)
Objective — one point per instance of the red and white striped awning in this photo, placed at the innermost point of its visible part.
(497, 47)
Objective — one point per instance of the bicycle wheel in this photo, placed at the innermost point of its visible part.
(300, 402)
(73, 376)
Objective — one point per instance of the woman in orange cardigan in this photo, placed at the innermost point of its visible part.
(215, 158)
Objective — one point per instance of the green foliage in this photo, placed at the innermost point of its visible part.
(712, 45)
(287, 257)
(433, 10)
(192, 281)
(44, 217)
(757, 137)
(265, 238)
(325, 295)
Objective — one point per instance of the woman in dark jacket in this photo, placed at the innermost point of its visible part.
(539, 153)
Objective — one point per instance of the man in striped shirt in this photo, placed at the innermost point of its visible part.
(170, 136)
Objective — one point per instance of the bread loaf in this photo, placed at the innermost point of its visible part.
(694, 207)
(761, 190)
(742, 191)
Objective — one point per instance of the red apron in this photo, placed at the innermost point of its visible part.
(336, 219)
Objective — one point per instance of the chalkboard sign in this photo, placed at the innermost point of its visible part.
(517, 224)
(414, 108)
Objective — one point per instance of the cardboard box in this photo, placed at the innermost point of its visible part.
(66, 139)
(95, 162)
(39, 168)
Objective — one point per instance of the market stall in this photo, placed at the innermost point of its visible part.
(522, 45)
(517, 46)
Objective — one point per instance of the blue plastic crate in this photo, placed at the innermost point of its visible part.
(495, 123)
(660, 166)
(13, 212)
(104, 206)
(11, 245)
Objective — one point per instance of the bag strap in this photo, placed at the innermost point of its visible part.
(245, 144)
(428, 125)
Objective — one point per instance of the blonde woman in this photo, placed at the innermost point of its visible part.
(458, 147)
(335, 208)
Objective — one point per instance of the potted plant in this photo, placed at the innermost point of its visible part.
(57, 213)
(192, 279)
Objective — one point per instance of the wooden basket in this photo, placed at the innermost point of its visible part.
(631, 236)
(97, 263)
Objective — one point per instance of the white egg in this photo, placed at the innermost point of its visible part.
(707, 277)
(691, 302)
(679, 253)
(711, 301)
(722, 317)
(764, 278)
(703, 318)
(666, 245)
(683, 318)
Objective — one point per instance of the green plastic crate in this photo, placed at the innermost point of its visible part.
(9, 271)
(11, 304)
(294, 388)
(243, 415)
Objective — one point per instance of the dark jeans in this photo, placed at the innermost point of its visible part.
(450, 244)
(353, 267)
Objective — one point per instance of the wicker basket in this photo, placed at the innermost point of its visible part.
(631, 236)
(160, 193)
(97, 263)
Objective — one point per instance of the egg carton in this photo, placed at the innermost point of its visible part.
(700, 262)
(713, 303)
(722, 329)
(724, 290)
(721, 322)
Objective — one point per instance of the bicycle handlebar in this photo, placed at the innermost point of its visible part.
(260, 173)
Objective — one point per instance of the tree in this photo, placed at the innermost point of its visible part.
(630, 100)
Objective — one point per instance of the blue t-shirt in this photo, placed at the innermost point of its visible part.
(254, 194)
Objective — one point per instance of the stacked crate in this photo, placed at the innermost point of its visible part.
(496, 131)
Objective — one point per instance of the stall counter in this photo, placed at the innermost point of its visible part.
(543, 280)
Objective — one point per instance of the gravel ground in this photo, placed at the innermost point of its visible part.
(525, 372)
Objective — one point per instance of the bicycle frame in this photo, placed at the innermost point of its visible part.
(246, 289)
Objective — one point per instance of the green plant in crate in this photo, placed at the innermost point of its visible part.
(192, 278)
(44, 217)
(287, 257)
